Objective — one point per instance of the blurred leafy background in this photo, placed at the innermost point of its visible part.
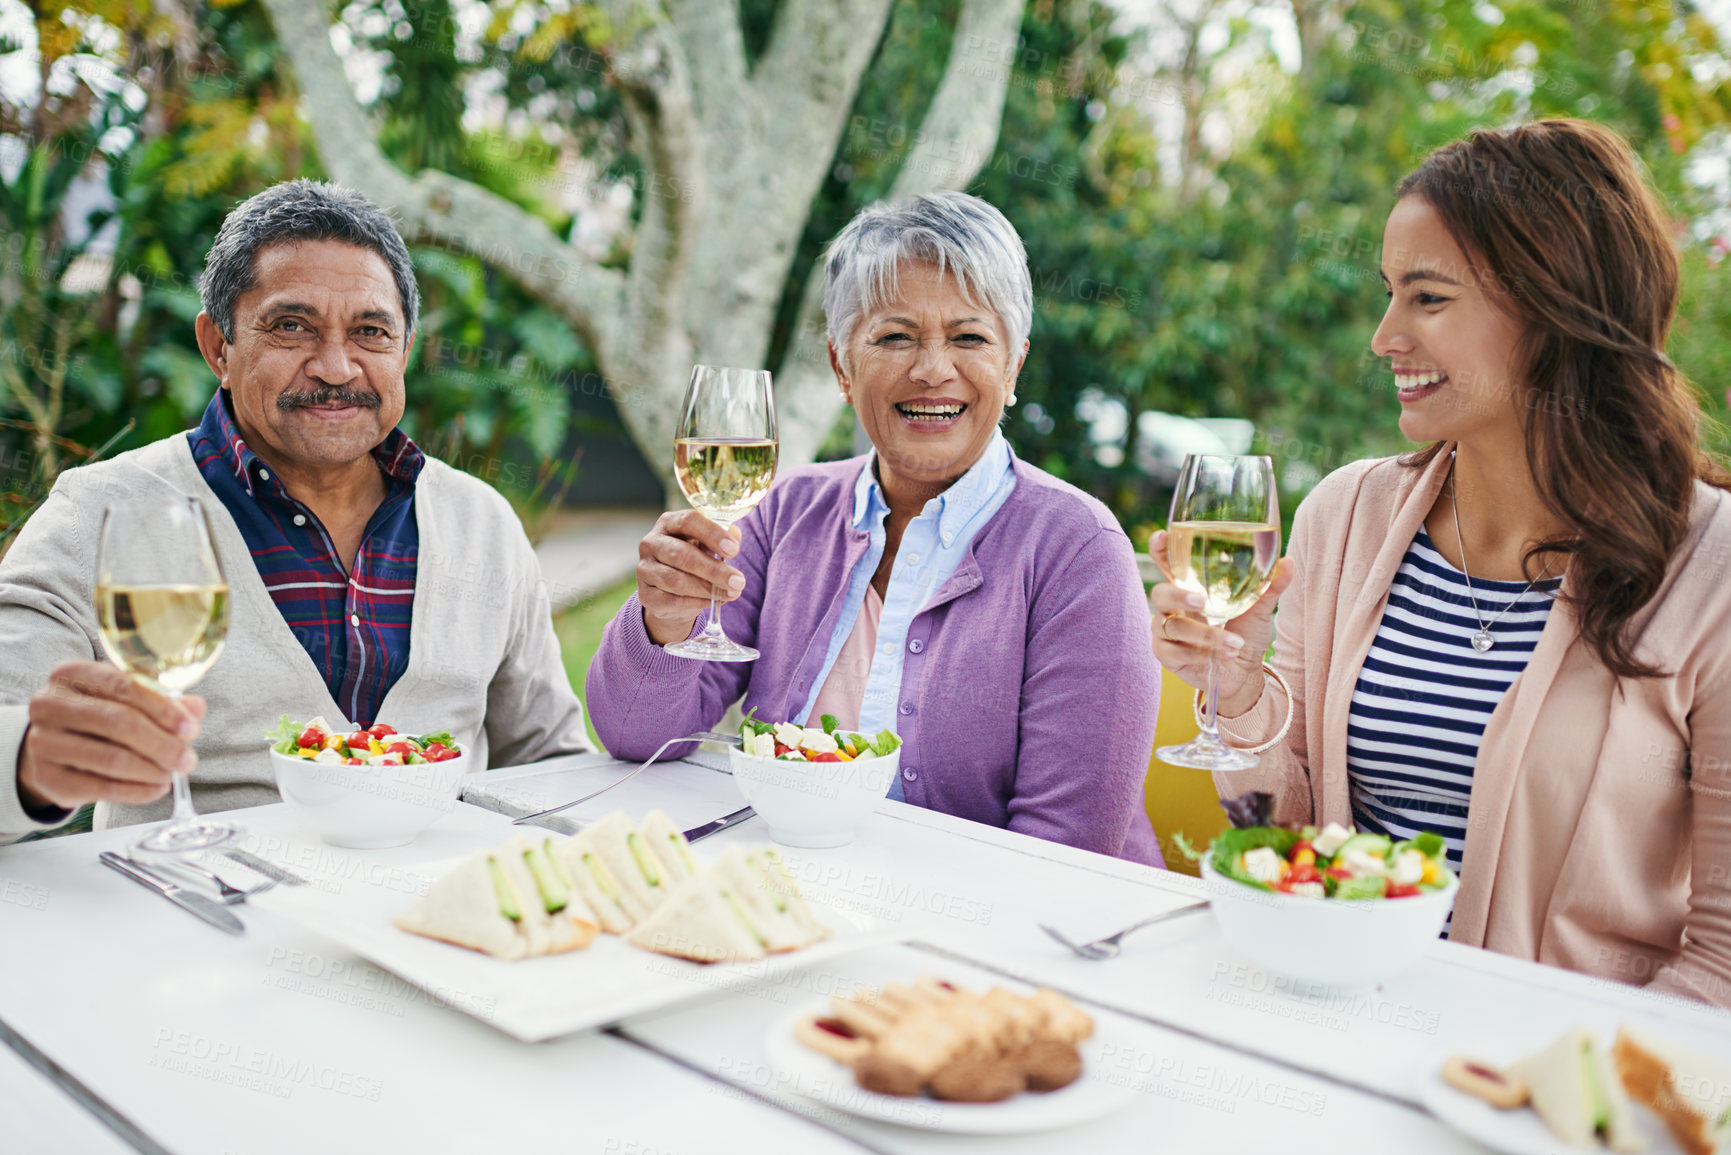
(1201, 187)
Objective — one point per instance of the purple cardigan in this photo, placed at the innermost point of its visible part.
(1030, 688)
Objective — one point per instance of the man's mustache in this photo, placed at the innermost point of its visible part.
(334, 397)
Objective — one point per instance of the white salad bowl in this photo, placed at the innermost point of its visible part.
(368, 807)
(1340, 943)
(814, 804)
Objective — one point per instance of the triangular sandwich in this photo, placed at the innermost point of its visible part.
(769, 908)
(669, 845)
(1689, 1090)
(1577, 1095)
(633, 862)
(475, 905)
(616, 911)
(703, 920)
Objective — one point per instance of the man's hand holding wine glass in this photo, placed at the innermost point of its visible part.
(98, 735)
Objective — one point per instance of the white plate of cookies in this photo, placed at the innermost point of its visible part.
(938, 1056)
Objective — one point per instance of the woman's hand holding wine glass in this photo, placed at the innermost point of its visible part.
(1185, 643)
(1221, 547)
(678, 572)
(724, 458)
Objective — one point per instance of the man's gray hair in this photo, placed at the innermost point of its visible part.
(300, 210)
(953, 230)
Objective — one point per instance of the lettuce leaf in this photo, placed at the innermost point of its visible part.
(886, 743)
(1233, 843)
(285, 739)
(753, 725)
(1427, 843)
(1365, 886)
(830, 723)
(436, 736)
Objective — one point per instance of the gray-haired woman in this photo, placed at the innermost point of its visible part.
(986, 611)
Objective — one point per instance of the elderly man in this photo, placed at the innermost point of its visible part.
(367, 582)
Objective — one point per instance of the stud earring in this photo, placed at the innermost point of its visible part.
(1010, 401)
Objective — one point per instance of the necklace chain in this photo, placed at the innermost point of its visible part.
(1482, 638)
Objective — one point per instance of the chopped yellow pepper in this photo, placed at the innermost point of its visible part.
(1304, 857)
(306, 752)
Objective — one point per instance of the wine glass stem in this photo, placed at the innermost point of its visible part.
(1210, 716)
(712, 629)
(184, 814)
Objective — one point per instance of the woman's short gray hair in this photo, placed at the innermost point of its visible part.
(300, 210)
(952, 230)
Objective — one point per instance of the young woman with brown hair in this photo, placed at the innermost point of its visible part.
(1520, 635)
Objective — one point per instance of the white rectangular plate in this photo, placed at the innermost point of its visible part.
(543, 998)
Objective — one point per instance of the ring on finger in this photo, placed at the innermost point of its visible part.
(1165, 620)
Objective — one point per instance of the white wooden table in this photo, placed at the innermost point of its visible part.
(172, 1036)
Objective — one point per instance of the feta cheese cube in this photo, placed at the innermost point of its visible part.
(762, 745)
(317, 723)
(1262, 864)
(1408, 868)
(328, 756)
(1359, 862)
(817, 742)
(1309, 890)
(1330, 839)
(788, 734)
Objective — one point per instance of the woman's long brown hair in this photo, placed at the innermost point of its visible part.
(1565, 235)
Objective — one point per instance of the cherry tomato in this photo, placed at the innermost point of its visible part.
(781, 749)
(402, 748)
(830, 757)
(1400, 890)
(381, 729)
(1303, 873)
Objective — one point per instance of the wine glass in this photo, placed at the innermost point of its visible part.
(724, 456)
(1222, 541)
(162, 608)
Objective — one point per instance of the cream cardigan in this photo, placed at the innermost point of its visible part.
(1599, 831)
(483, 659)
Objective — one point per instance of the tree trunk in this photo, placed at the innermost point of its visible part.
(732, 160)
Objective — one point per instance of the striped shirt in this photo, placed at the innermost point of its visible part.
(1424, 695)
(353, 625)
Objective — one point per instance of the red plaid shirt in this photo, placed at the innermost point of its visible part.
(354, 626)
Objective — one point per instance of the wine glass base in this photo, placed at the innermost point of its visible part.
(710, 650)
(1199, 754)
(170, 840)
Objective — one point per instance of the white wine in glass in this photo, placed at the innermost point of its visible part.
(162, 609)
(1222, 541)
(724, 457)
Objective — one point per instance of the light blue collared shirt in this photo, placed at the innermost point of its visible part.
(932, 547)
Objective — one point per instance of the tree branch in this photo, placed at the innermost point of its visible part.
(709, 35)
(656, 89)
(439, 208)
(954, 143)
(960, 131)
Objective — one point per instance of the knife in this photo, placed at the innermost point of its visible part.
(719, 824)
(208, 909)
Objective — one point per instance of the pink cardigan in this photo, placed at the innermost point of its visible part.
(1599, 832)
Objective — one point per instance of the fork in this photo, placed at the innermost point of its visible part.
(705, 736)
(229, 895)
(1105, 948)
